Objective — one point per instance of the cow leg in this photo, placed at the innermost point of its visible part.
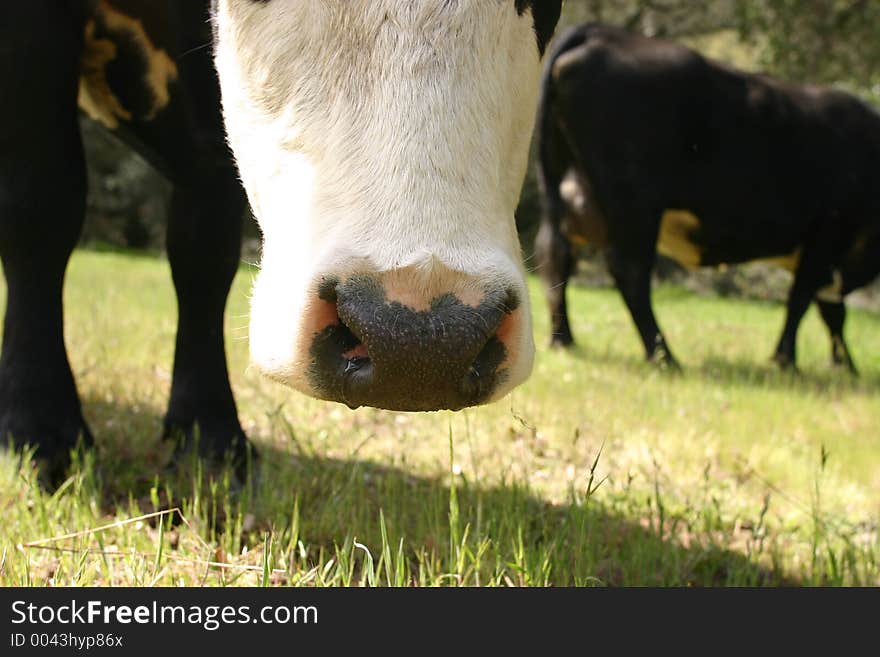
(204, 243)
(809, 277)
(555, 264)
(42, 206)
(834, 316)
(552, 248)
(858, 270)
(632, 274)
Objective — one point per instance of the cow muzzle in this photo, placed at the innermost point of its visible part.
(448, 353)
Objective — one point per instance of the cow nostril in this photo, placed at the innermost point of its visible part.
(356, 353)
(357, 372)
(354, 365)
(357, 375)
(482, 375)
(472, 385)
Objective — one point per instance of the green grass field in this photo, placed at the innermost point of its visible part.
(601, 470)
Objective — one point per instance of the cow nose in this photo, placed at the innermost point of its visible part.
(385, 354)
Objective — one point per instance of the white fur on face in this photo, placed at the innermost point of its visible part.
(377, 135)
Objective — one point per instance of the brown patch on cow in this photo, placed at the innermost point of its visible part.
(676, 239)
(832, 293)
(104, 34)
(96, 98)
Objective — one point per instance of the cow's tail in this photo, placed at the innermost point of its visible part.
(553, 157)
(553, 154)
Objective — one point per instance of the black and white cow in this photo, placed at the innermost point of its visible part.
(646, 146)
(382, 144)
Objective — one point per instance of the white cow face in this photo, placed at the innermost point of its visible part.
(383, 144)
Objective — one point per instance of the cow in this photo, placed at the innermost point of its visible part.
(646, 146)
(382, 145)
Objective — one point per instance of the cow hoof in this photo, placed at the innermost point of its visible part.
(669, 365)
(217, 450)
(52, 446)
(561, 341)
(52, 457)
(561, 337)
(664, 360)
(846, 367)
(785, 362)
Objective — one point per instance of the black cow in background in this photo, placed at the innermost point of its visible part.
(151, 80)
(647, 146)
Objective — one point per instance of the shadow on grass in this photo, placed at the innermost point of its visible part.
(507, 532)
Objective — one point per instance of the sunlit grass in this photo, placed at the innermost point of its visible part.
(599, 470)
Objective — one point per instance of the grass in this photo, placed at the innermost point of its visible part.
(601, 470)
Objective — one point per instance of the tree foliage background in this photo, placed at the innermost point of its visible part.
(818, 41)
(827, 41)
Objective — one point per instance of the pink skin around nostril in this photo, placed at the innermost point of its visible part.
(358, 352)
(324, 314)
(318, 316)
(506, 333)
